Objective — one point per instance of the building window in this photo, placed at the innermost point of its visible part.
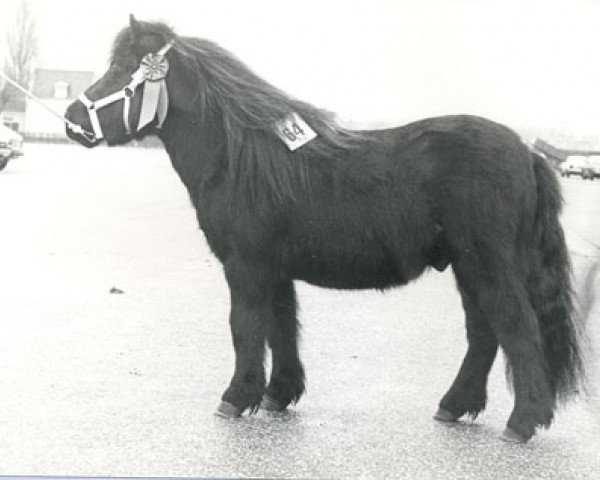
(61, 90)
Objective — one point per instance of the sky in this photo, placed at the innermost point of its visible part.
(533, 65)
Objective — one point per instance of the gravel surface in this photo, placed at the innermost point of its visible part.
(115, 347)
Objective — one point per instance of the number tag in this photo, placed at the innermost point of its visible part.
(294, 131)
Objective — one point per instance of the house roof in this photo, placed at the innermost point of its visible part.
(44, 81)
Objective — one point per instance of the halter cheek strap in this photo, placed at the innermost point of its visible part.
(155, 101)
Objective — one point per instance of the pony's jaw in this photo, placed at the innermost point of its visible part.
(77, 114)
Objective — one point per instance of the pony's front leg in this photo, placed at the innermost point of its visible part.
(287, 376)
(251, 307)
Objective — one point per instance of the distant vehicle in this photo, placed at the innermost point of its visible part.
(574, 165)
(593, 168)
(11, 145)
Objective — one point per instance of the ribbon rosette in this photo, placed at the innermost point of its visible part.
(154, 66)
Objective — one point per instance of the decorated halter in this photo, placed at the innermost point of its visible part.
(155, 101)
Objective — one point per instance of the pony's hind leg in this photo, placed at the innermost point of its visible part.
(500, 293)
(287, 376)
(467, 395)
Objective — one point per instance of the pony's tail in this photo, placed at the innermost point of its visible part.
(550, 290)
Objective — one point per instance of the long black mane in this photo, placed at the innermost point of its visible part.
(249, 107)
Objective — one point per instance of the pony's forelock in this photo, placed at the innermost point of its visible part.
(124, 41)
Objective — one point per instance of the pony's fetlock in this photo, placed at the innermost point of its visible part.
(285, 389)
(526, 422)
(245, 396)
(465, 403)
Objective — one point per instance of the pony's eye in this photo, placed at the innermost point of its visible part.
(115, 68)
(120, 65)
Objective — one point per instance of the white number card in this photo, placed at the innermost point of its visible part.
(294, 131)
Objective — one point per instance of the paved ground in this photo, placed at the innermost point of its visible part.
(94, 383)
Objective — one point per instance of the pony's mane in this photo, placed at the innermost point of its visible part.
(248, 102)
(250, 107)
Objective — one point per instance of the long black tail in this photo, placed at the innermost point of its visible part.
(550, 289)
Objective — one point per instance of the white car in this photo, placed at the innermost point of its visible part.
(574, 165)
(11, 145)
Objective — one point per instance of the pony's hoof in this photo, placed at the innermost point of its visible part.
(227, 410)
(271, 405)
(510, 436)
(444, 416)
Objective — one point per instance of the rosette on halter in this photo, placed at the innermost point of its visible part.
(154, 66)
(155, 100)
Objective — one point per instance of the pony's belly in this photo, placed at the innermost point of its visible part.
(346, 283)
(350, 274)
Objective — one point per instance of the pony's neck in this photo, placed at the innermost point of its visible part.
(196, 146)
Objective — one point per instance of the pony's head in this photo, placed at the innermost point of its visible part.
(131, 99)
(191, 83)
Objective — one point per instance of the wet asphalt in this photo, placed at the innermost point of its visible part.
(126, 383)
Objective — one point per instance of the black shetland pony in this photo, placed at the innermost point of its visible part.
(354, 210)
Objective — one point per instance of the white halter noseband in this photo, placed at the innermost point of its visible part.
(151, 72)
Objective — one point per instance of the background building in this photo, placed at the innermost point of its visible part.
(57, 89)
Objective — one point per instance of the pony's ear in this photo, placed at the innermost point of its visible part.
(135, 27)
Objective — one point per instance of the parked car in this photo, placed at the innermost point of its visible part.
(593, 168)
(573, 165)
(11, 145)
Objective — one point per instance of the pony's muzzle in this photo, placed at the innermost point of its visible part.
(78, 130)
(78, 126)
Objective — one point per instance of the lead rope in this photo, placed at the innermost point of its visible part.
(89, 136)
